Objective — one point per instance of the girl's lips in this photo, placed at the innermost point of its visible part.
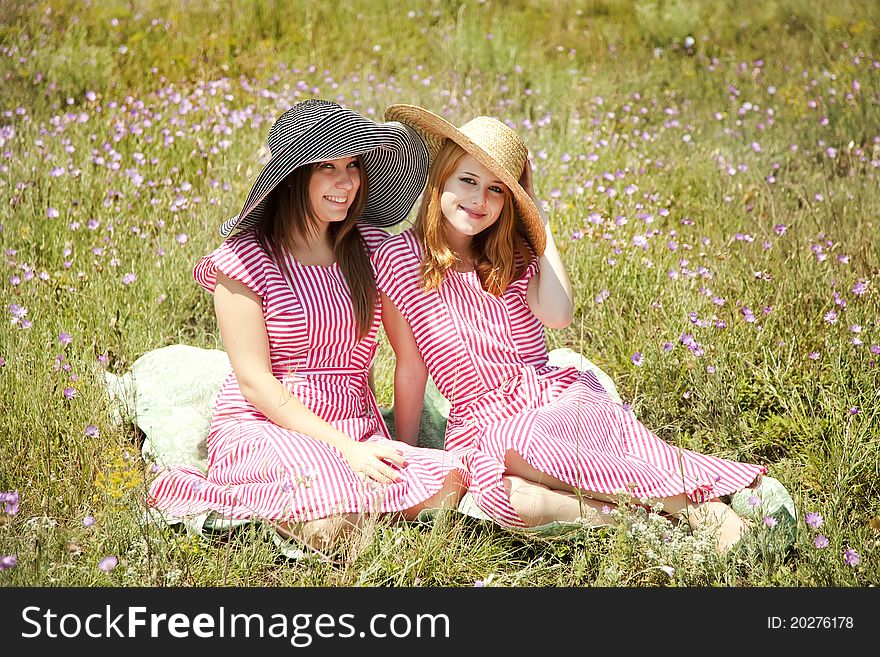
(471, 213)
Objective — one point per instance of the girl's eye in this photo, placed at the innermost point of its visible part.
(354, 165)
(469, 181)
(496, 189)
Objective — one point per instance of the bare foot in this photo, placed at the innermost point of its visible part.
(729, 528)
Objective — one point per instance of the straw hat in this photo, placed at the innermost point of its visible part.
(492, 144)
(393, 156)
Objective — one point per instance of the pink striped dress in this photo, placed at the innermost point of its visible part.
(257, 469)
(488, 357)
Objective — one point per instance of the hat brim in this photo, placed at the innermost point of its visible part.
(394, 159)
(435, 130)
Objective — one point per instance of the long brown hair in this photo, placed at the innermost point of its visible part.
(494, 248)
(290, 218)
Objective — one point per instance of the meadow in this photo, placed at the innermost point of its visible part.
(712, 173)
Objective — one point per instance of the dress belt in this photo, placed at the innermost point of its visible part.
(474, 410)
(372, 404)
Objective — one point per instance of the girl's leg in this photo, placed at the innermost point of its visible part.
(538, 504)
(447, 497)
(729, 526)
(322, 534)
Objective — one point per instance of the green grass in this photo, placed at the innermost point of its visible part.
(723, 141)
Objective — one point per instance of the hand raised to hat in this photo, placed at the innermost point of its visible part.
(526, 182)
(549, 295)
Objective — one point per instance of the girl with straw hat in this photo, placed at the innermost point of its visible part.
(466, 295)
(296, 437)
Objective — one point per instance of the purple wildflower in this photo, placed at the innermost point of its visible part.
(18, 312)
(128, 279)
(855, 410)
(8, 561)
(69, 393)
(108, 563)
(92, 431)
(754, 501)
(831, 316)
(637, 359)
(64, 338)
(851, 557)
(10, 501)
(814, 519)
(821, 542)
(89, 520)
(770, 521)
(860, 288)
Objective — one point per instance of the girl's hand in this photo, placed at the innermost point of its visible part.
(370, 461)
(527, 183)
(525, 180)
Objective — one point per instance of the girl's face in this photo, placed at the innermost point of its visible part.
(472, 197)
(333, 187)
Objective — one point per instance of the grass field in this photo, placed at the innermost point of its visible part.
(712, 173)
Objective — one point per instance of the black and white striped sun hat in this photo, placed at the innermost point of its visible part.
(393, 156)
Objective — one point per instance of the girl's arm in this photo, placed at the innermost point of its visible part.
(410, 373)
(243, 328)
(549, 293)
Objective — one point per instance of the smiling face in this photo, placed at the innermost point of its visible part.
(472, 198)
(333, 187)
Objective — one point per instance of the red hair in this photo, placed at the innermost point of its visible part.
(494, 248)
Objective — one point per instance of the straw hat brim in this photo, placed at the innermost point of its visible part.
(435, 130)
(395, 161)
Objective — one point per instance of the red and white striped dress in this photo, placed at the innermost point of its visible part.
(257, 469)
(488, 357)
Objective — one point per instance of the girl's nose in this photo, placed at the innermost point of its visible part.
(479, 199)
(347, 179)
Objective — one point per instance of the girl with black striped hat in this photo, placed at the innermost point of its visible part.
(296, 437)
